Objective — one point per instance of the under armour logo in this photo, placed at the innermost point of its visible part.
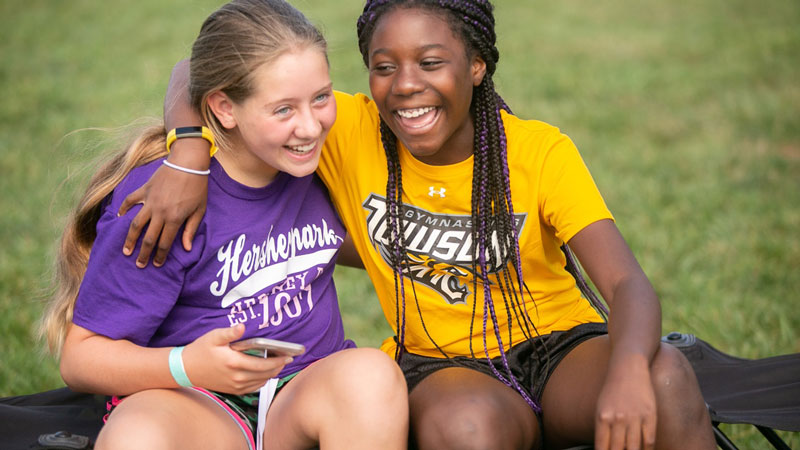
(432, 191)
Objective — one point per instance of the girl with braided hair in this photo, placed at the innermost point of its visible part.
(468, 238)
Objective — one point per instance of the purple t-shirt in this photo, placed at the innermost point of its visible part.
(262, 256)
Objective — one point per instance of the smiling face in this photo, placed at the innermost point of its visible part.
(282, 126)
(421, 79)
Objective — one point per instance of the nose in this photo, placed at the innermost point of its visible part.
(309, 125)
(407, 81)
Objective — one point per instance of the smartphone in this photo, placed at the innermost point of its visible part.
(263, 347)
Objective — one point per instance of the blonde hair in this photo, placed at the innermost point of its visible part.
(233, 42)
(79, 234)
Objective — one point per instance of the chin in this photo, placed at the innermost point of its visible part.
(300, 172)
(422, 150)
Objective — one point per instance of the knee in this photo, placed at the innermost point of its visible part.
(132, 430)
(472, 422)
(372, 378)
(674, 381)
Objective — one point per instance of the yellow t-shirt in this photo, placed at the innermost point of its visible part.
(553, 196)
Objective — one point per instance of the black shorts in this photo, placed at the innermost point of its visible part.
(531, 362)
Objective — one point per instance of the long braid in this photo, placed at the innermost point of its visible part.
(494, 231)
(496, 222)
(393, 210)
(396, 230)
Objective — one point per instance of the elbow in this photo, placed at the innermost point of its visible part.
(70, 368)
(81, 365)
(70, 376)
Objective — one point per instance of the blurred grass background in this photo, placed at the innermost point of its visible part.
(687, 113)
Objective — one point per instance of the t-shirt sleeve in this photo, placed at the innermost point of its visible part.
(569, 198)
(117, 299)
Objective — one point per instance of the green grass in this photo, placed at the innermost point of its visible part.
(687, 113)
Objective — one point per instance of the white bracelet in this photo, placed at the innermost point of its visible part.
(186, 169)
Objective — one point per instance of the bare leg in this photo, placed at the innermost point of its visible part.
(570, 398)
(170, 419)
(458, 408)
(352, 399)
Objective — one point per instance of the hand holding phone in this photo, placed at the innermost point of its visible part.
(263, 347)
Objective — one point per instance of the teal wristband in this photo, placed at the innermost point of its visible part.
(176, 367)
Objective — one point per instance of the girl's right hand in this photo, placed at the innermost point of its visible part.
(168, 199)
(626, 407)
(211, 363)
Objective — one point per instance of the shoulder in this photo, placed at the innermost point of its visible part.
(353, 101)
(114, 227)
(532, 141)
(357, 108)
(135, 179)
(529, 129)
(356, 129)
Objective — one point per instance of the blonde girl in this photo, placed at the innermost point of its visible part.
(261, 266)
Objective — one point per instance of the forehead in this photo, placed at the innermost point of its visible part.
(414, 27)
(295, 73)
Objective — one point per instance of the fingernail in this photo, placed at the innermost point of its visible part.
(127, 251)
(288, 360)
(140, 264)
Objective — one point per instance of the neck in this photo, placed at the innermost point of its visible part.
(458, 148)
(243, 167)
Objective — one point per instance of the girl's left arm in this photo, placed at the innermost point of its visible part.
(626, 404)
(91, 362)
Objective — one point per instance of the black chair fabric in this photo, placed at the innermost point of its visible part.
(764, 392)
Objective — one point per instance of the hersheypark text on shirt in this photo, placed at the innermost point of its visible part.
(273, 262)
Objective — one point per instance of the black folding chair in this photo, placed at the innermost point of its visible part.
(764, 392)
(56, 419)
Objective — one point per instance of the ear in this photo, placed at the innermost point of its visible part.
(478, 70)
(222, 107)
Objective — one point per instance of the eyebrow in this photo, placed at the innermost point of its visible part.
(327, 87)
(424, 48)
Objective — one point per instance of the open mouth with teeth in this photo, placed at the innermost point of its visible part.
(301, 149)
(416, 118)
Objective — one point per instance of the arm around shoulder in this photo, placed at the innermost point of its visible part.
(171, 197)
